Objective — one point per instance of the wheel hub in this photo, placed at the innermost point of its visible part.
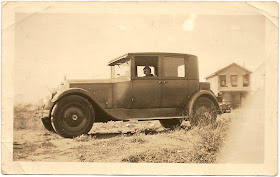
(74, 117)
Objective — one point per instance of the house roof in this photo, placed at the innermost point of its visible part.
(219, 71)
(112, 62)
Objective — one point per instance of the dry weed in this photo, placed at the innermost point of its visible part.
(209, 140)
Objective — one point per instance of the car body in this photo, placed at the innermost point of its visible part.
(168, 94)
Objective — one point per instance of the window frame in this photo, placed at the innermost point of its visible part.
(231, 76)
(123, 76)
(221, 82)
(113, 71)
(133, 68)
(163, 67)
(248, 80)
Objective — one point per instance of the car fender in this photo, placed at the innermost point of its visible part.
(84, 93)
(201, 93)
(71, 91)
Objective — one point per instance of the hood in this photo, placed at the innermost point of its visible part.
(81, 81)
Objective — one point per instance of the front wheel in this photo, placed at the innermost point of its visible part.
(73, 116)
(171, 123)
(47, 123)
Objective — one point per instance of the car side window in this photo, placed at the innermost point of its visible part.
(174, 67)
(122, 70)
(140, 71)
(146, 66)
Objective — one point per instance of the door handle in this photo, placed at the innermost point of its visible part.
(162, 82)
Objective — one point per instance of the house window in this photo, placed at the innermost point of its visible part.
(246, 80)
(223, 81)
(234, 81)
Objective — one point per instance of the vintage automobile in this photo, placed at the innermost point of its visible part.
(170, 92)
(225, 107)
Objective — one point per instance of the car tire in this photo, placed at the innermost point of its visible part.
(171, 123)
(73, 116)
(204, 112)
(47, 123)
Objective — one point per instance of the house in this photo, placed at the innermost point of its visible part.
(233, 82)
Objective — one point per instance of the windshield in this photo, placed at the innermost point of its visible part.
(121, 70)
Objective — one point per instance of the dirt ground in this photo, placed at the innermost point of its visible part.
(245, 142)
(237, 137)
(133, 141)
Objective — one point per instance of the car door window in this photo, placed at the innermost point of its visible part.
(146, 66)
(174, 67)
(140, 71)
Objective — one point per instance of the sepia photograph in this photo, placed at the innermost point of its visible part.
(140, 88)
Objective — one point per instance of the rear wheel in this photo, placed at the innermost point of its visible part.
(204, 112)
(171, 123)
(73, 116)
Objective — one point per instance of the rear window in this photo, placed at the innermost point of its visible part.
(174, 67)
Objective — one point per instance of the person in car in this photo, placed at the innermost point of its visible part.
(147, 72)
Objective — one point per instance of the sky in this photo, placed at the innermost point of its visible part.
(49, 46)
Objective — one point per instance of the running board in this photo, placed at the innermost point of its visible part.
(156, 118)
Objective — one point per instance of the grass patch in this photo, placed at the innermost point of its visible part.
(205, 148)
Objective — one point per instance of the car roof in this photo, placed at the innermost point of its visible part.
(123, 57)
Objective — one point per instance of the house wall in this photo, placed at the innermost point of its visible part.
(234, 70)
(237, 99)
(226, 96)
(213, 84)
(236, 95)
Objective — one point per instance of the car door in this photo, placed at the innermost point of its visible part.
(174, 81)
(146, 91)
